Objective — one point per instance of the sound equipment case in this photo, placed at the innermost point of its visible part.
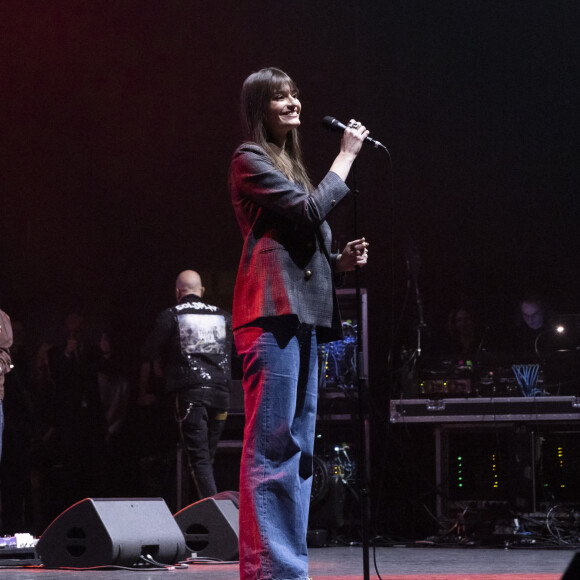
(509, 417)
(483, 410)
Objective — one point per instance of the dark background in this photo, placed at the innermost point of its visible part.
(119, 120)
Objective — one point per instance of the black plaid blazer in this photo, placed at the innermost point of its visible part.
(283, 269)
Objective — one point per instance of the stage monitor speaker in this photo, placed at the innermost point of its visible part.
(573, 570)
(112, 532)
(211, 528)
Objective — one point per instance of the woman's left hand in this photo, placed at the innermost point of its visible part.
(355, 254)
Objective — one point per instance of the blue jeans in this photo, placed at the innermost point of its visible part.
(280, 389)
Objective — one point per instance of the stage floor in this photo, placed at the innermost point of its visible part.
(346, 563)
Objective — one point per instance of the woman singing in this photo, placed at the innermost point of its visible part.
(284, 302)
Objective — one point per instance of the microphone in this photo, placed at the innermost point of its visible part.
(333, 124)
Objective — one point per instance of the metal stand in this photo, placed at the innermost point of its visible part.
(363, 425)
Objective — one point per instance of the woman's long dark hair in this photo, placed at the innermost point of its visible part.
(257, 91)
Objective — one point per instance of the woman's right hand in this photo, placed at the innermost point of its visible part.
(353, 137)
(352, 140)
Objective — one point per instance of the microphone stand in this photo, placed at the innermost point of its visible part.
(363, 425)
(414, 264)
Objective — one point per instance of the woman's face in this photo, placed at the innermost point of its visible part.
(282, 114)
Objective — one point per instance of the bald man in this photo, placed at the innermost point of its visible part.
(192, 341)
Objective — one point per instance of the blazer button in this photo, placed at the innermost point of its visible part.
(333, 202)
(307, 274)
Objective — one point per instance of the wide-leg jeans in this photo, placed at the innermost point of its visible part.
(280, 389)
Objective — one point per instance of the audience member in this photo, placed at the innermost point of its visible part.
(72, 451)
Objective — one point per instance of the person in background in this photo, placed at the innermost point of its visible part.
(5, 363)
(531, 322)
(464, 333)
(191, 346)
(19, 424)
(70, 447)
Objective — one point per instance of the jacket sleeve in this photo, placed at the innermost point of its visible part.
(255, 178)
(5, 343)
